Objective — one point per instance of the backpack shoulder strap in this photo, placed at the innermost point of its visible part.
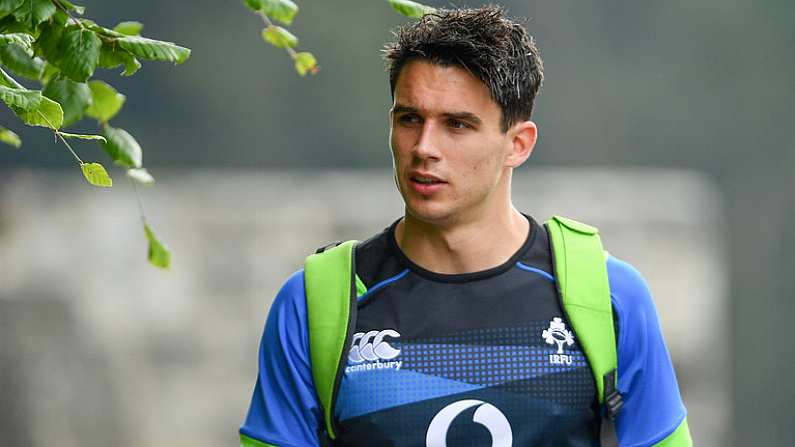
(330, 285)
(581, 276)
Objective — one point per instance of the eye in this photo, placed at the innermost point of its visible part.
(408, 118)
(457, 124)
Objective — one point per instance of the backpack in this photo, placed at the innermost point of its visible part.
(580, 274)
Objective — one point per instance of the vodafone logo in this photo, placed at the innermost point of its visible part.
(371, 346)
(486, 415)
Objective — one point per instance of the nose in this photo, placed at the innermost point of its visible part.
(427, 146)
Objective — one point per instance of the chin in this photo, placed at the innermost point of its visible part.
(432, 213)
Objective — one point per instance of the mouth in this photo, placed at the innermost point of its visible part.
(426, 185)
(425, 179)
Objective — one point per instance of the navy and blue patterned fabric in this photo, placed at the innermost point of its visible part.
(479, 359)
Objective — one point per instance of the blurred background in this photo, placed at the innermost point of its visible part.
(668, 125)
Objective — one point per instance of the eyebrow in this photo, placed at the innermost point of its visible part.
(465, 116)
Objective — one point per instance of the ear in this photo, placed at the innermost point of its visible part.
(523, 137)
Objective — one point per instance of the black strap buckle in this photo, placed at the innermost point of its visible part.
(613, 400)
(326, 247)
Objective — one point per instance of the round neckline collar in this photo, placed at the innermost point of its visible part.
(463, 277)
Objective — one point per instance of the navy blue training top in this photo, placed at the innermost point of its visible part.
(484, 358)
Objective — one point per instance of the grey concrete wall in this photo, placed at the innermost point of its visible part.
(99, 348)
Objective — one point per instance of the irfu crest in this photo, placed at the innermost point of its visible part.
(557, 334)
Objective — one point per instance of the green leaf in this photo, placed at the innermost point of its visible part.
(101, 30)
(111, 56)
(158, 254)
(8, 6)
(20, 98)
(8, 81)
(29, 105)
(48, 73)
(122, 147)
(129, 28)
(140, 175)
(74, 98)
(33, 12)
(72, 7)
(254, 5)
(411, 9)
(60, 18)
(96, 174)
(79, 53)
(151, 49)
(9, 137)
(83, 136)
(105, 101)
(280, 10)
(8, 24)
(305, 63)
(47, 114)
(15, 58)
(24, 40)
(48, 43)
(131, 65)
(279, 37)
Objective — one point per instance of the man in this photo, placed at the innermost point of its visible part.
(456, 335)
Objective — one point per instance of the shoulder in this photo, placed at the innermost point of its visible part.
(629, 291)
(287, 318)
(624, 277)
(633, 307)
(377, 257)
(291, 296)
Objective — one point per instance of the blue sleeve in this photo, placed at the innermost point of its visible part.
(284, 409)
(653, 408)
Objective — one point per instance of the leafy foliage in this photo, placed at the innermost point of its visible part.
(129, 28)
(96, 175)
(141, 175)
(21, 39)
(45, 113)
(122, 147)
(279, 37)
(32, 12)
(105, 101)
(411, 9)
(74, 98)
(305, 63)
(47, 42)
(9, 137)
(19, 59)
(155, 50)
(283, 11)
(82, 137)
(43, 41)
(158, 254)
(24, 99)
(79, 48)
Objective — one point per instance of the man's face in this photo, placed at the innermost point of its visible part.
(448, 150)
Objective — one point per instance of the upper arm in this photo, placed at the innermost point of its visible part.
(284, 410)
(653, 408)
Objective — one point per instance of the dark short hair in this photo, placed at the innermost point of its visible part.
(496, 50)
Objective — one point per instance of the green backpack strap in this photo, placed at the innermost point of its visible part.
(581, 276)
(330, 285)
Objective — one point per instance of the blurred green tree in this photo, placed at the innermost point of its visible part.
(49, 43)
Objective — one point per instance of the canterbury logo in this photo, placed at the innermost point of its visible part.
(371, 346)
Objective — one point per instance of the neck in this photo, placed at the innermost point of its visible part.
(465, 247)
